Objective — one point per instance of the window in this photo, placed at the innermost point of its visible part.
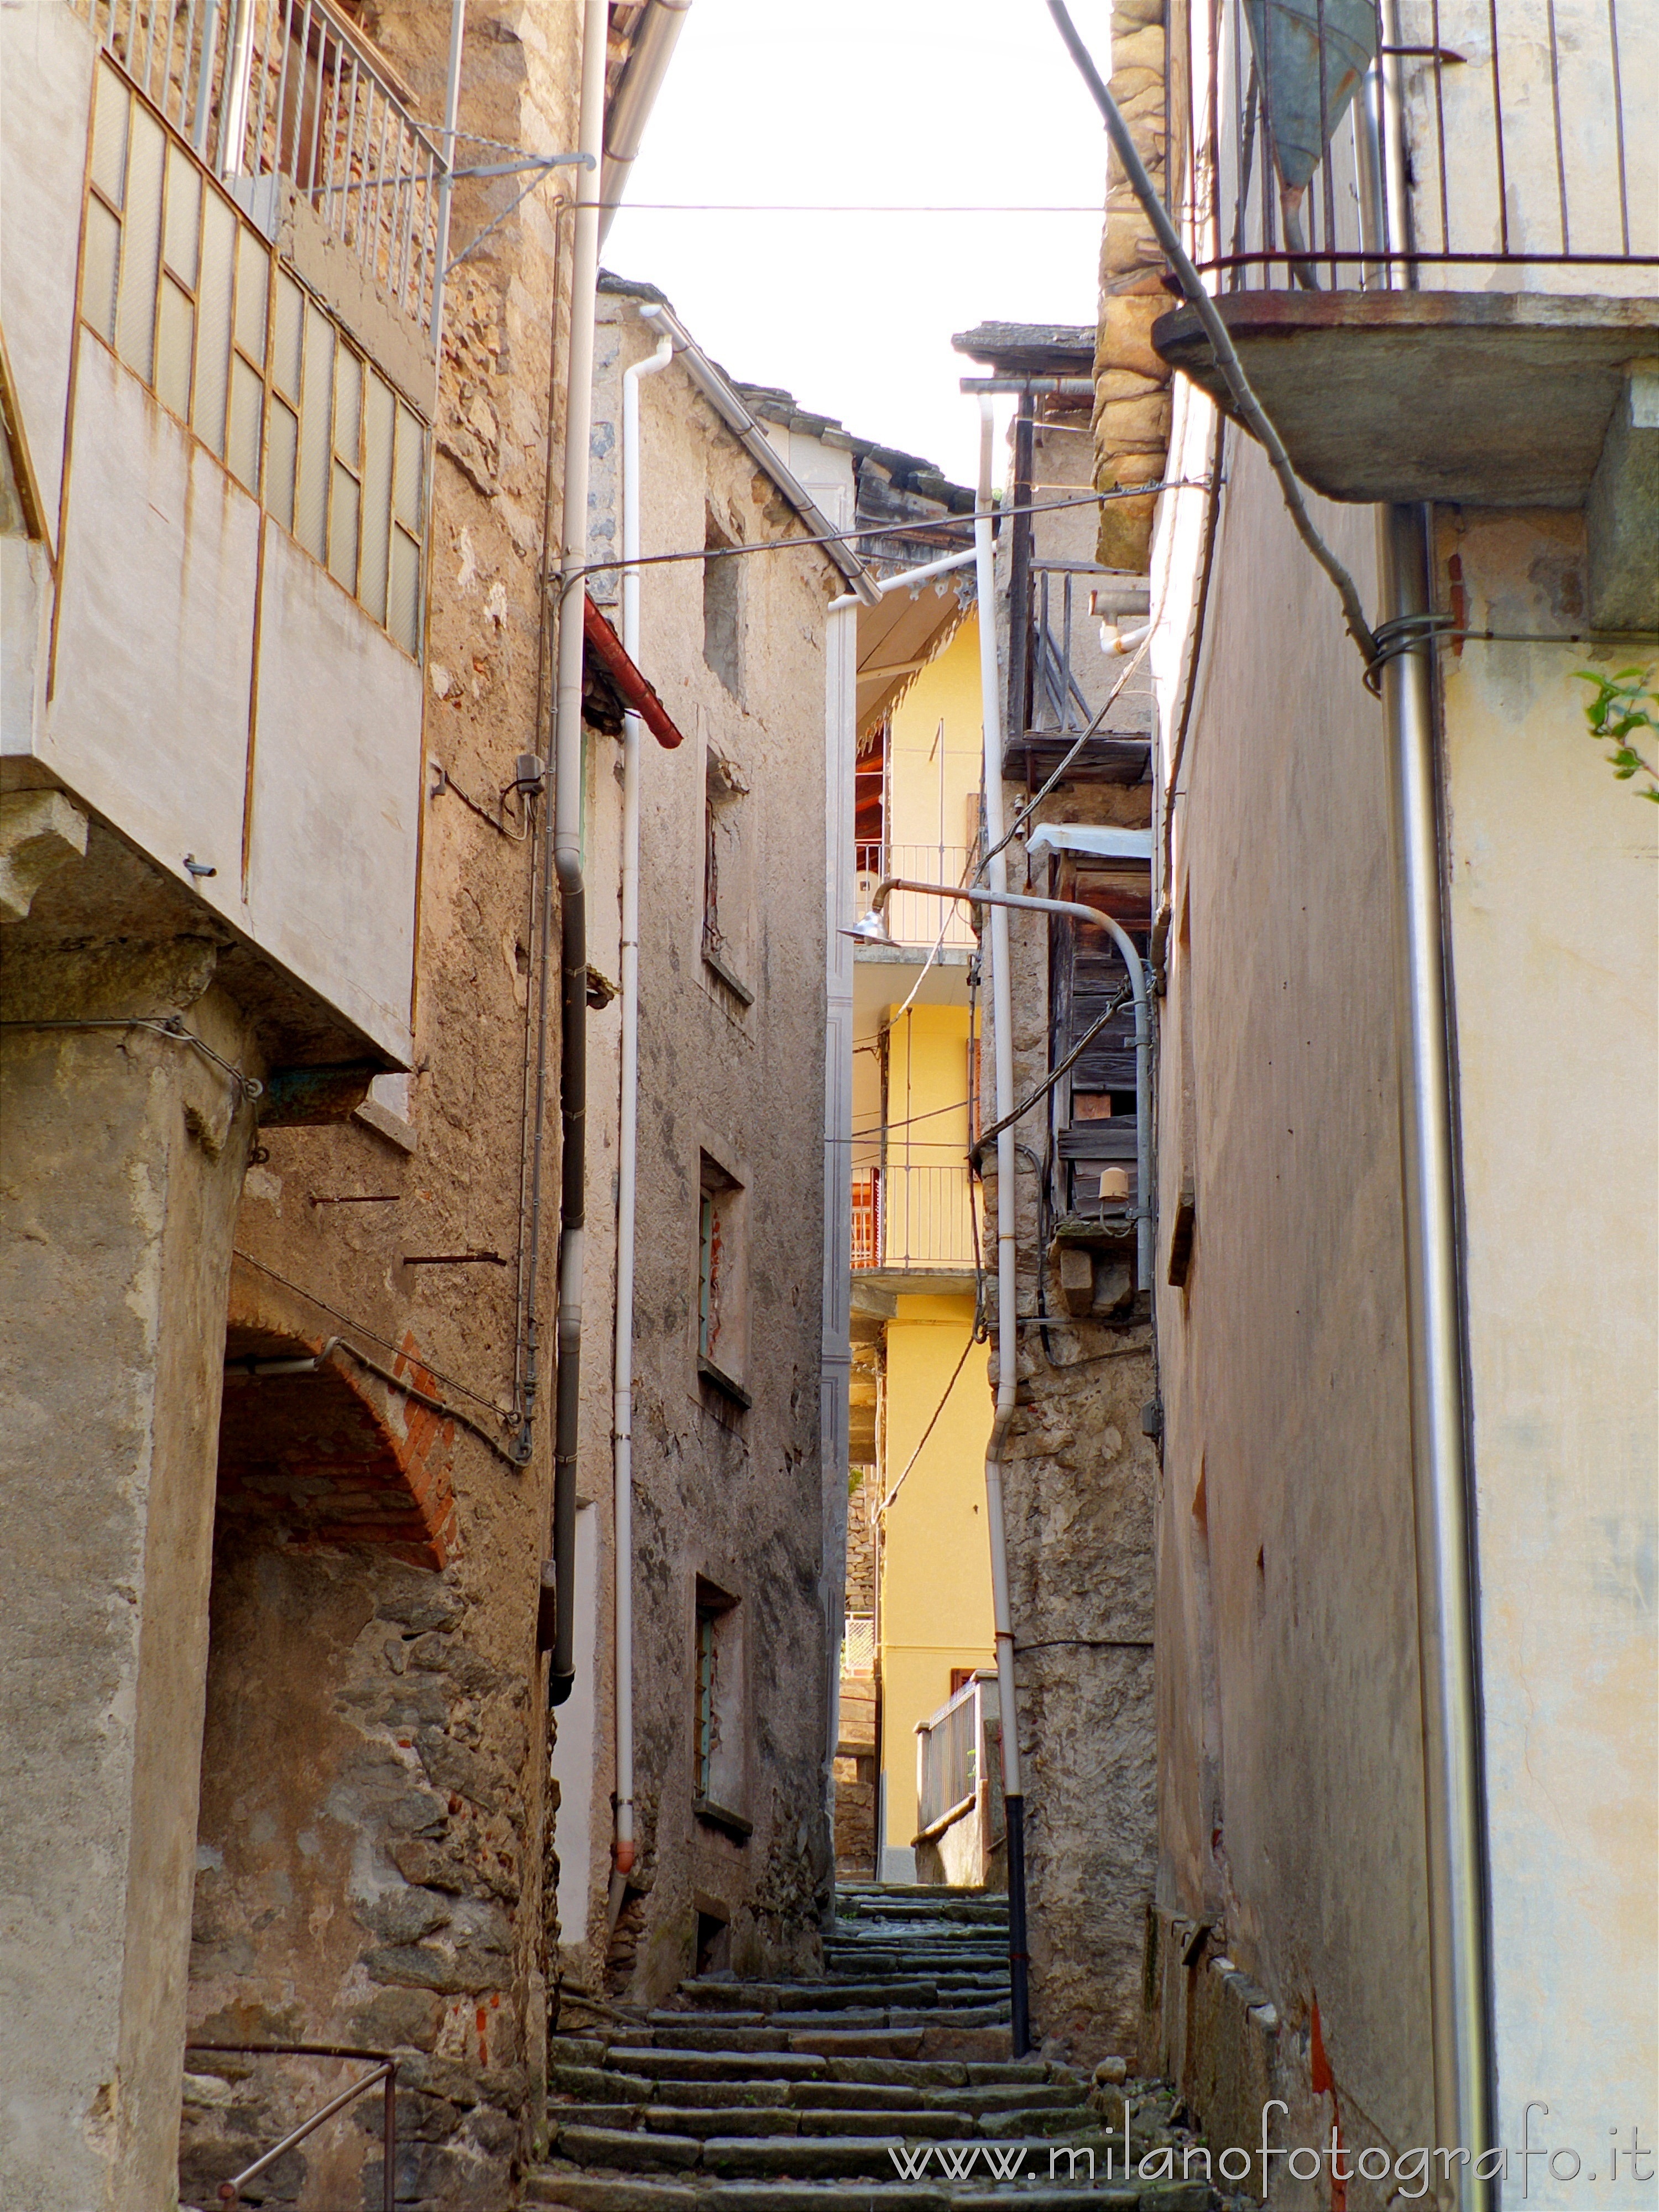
(725, 899)
(720, 1720)
(721, 1318)
(722, 612)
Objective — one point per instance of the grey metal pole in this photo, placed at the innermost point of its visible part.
(1454, 1790)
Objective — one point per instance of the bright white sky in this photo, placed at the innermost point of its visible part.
(911, 102)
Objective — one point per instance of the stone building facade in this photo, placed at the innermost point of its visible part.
(1080, 1473)
(276, 976)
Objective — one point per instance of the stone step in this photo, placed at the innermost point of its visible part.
(890, 2127)
(601, 2085)
(807, 1997)
(631, 2149)
(652, 2066)
(728, 2096)
(861, 2096)
(859, 2042)
(1011, 2097)
(598, 2193)
(678, 2032)
(820, 2158)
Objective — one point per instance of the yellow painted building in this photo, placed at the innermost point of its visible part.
(913, 1232)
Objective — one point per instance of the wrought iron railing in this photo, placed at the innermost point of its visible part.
(1453, 144)
(383, 2076)
(918, 1216)
(291, 89)
(912, 918)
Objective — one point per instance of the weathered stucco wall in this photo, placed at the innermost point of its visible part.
(1551, 869)
(123, 1157)
(1289, 1763)
(729, 1493)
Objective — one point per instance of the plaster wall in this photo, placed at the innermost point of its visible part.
(123, 1157)
(935, 1609)
(935, 759)
(1290, 1804)
(47, 47)
(1551, 869)
(217, 694)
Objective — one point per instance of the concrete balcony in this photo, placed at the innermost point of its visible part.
(1432, 231)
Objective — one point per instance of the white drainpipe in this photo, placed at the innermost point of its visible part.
(628, 1120)
(1007, 1326)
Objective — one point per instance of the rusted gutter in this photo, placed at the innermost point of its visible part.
(634, 688)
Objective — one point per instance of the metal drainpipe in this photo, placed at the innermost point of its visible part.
(568, 855)
(1449, 1663)
(446, 183)
(628, 1123)
(1013, 1789)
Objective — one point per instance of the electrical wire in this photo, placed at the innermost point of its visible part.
(385, 1342)
(1119, 1002)
(171, 1026)
(959, 523)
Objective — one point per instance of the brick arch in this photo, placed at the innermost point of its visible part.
(335, 1457)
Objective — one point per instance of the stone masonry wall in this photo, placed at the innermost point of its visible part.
(1132, 396)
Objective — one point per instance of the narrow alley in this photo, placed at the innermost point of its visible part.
(829, 1055)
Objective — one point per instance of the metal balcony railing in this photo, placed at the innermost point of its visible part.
(917, 1217)
(914, 920)
(957, 1760)
(1456, 145)
(291, 89)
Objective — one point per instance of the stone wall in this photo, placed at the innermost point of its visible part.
(1131, 398)
(372, 1847)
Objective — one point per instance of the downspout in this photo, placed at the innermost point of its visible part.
(568, 855)
(1443, 1490)
(446, 182)
(1454, 1792)
(628, 1120)
(1013, 1789)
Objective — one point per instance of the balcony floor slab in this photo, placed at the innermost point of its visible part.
(1490, 399)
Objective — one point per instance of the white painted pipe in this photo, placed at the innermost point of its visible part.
(973, 896)
(446, 182)
(628, 1118)
(567, 850)
(908, 579)
(1007, 1329)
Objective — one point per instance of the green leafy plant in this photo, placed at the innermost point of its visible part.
(1621, 711)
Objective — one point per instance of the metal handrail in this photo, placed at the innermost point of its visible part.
(384, 2074)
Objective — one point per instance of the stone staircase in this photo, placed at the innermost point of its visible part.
(888, 2084)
